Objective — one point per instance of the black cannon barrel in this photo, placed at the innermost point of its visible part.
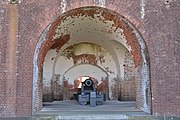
(88, 82)
(88, 94)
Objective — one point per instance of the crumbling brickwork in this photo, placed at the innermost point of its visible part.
(22, 23)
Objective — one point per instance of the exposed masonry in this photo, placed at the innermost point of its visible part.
(116, 27)
(157, 20)
(108, 17)
(129, 71)
(65, 27)
(36, 70)
(144, 78)
(86, 53)
(2, 101)
(98, 26)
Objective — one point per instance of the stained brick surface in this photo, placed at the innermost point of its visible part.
(159, 28)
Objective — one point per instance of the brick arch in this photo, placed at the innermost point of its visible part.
(134, 43)
(131, 33)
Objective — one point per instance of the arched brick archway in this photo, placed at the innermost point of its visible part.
(118, 28)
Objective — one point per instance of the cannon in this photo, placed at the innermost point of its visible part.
(89, 95)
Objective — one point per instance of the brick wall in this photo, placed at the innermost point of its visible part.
(128, 90)
(159, 29)
(157, 21)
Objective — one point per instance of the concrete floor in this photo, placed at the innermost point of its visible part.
(110, 110)
(72, 110)
(60, 106)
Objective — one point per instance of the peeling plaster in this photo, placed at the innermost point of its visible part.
(63, 5)
(145, 74)
(79, 50)
(36, 70)
(142, 5)
(102, 3)
(168, 3)
(109, 18)
(95, 27)
(1, 14)
(81, 70)
(95, 24)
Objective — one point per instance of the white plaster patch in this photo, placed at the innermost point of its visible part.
(142, 5)
(36, 70)
(1, 12)
(20, 1)
(84, 70)
(102, 3)
(48, 67)
(63, 5)
(144, 76)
